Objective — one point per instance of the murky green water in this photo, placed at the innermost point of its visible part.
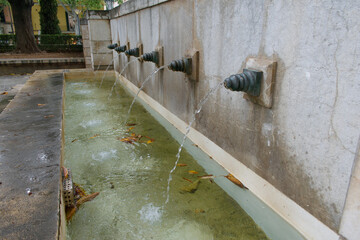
(132, 178)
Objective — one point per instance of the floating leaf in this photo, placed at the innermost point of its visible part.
(96, 135)
(65, 172)
(235, 180)
(128, 140)
(41, 104)
(199, 210)
(192, 187)
(181, 165)
(4, 93)
(192, 172)
(187, 180)
(74, 140)
(86, 199)
(149, 141)
(130, 124)
(49, 116)
(70, 213)
(207, 176)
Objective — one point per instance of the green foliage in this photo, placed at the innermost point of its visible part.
(88, 4)
(3, 3)
(85, 4)
(46, 42)
(49, 22)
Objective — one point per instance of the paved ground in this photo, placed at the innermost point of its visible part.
(9, 86)
(30, 150)
(40, 55)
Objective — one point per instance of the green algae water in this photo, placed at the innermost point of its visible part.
(132, 177)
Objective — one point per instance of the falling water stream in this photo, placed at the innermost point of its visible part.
(126, 65)
(141, 88)
(102, 80)
(98, 67)
(201, 103)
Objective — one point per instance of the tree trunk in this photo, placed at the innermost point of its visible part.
(25, 40)
(77, 24)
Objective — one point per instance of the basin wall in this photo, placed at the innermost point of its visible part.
(306, 144)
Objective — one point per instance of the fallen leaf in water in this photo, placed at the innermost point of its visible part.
(130, 140)
(70, 213)
(181, 165)
(49, 116)
(86, 199)
(192, 187)
(74, 140)
(96, 135)
(235, 180)
(41, 104)
(149, 141)
(187, 180)
(65, 172)
(198, 210)
(207, 176)
(192, 172)
(130, 124)
(4, 93)
(79, 191)
(195, 145)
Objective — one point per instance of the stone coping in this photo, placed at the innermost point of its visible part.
(133, 6)
(30, 158)
(41, 61)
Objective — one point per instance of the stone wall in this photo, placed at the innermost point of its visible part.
(305, 145)
(99, 39)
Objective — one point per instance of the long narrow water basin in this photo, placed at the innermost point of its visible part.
(129, 165)
(131, 177)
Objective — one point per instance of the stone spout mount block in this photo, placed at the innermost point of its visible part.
(160, 50)
(268, 68)
(195, 59)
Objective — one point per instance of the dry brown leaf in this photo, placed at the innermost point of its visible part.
(86, 199)
(96, 135)
(181, 165)
(4, 93)
(199, 210)
(192, 172)
(70, 213)
(41, 104)
(74, 140)
(207, 176)
(235, 181)
(187, 180)
(130, 124)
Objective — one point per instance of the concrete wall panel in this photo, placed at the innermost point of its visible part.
(305, 144)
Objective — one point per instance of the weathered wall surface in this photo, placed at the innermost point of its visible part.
(305, 145)
(99, 38)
